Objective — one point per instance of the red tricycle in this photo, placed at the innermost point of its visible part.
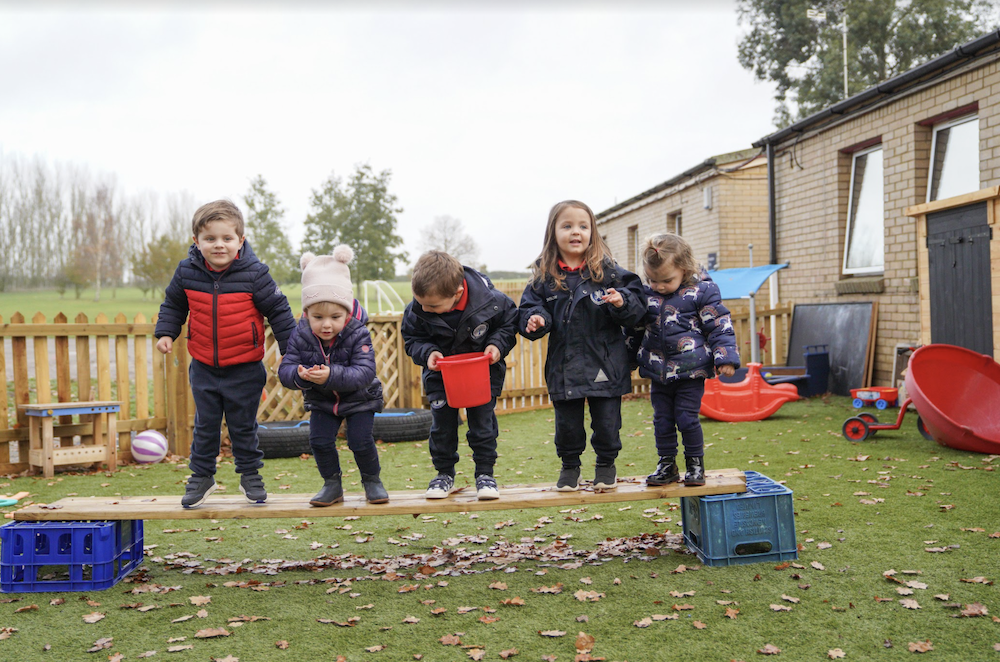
(865, 425)
(880, 396)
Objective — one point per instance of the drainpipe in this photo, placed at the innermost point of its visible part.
(772, 210)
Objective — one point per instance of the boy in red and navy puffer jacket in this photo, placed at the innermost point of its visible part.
(228, 292)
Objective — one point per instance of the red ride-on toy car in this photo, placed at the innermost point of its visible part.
(880, 396)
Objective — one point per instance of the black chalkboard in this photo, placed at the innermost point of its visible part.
(847, 329)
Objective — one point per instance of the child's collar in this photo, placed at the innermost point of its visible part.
(566, 267)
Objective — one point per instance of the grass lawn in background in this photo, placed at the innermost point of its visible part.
(444, 586)
(127, 300)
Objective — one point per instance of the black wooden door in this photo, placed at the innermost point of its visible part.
(958, 245)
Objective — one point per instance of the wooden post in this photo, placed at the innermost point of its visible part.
(124, 439)
(4, 403)
(83, 363)
(62, 370)
(141, 345)
(19, 351)
(177, 393)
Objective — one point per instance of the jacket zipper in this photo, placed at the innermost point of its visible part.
(253, 328)
(215, 323)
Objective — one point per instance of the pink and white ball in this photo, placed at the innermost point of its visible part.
(149, 447)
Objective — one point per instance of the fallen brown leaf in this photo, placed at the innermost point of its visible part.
(644, 623)
(835, 654)
(974, 609)
(451, 640)
(282, 644)
(920, 646)
(376, 648)
(552, 633)
(210, 633)
(178, 649)
(476, 653)
(510, 652)
(731, 613)
(769, 649)
(92, 617)
(499, 586)
(909, 604)
(699, 625)
(101, 644)
(780, 608)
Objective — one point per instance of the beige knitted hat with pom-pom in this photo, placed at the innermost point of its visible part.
(327, 278)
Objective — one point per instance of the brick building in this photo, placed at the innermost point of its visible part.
(864, 192)
(719, 206)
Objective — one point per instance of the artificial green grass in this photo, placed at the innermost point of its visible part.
(932, 498)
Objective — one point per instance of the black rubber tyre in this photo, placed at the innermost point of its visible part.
(283, 438)
(394, 425)
(855, 429)
(924, 432)
(870, 420)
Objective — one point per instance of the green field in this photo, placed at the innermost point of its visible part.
(130, 302)
(899, 540)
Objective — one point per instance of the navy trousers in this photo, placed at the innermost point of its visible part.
(482, 437)
(571, 436)
(233, 391)
(323, 429)
(675, 408)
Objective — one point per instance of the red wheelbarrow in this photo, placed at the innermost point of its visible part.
(957, 395)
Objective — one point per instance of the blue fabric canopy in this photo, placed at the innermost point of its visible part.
(740, 283)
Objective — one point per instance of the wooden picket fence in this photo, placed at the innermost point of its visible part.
(117, 361)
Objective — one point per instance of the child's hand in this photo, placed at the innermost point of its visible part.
(535, 322)
(726, 370)
(614, 297)
(165, 345)
(318, 374)
(432, 361)
(493, 352)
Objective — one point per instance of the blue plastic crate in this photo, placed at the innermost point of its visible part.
(36, 557)
(754, 527)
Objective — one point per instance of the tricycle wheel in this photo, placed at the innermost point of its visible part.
(855, 429)
(923, 429)
(881, 404)
(858, 403)
(870, 420)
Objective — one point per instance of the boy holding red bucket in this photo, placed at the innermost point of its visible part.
(456, 310)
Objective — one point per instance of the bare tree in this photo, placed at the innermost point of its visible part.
(447, 234)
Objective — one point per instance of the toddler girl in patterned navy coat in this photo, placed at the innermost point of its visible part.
(686, 336)
(330, 359)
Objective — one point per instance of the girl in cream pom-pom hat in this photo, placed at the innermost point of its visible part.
(330, 359)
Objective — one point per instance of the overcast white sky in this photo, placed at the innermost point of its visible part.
(490, 114)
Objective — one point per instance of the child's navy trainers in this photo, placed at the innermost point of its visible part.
(569, 479)
(486, 487)
(605, 477)
(197, 488)
(252, 487)
(440, 486)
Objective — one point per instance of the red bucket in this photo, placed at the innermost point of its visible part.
(466, 379)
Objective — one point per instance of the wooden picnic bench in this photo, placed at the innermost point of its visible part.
(401, 502)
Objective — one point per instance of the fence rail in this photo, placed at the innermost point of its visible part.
(117, 360)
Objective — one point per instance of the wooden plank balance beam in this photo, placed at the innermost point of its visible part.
(234, 506)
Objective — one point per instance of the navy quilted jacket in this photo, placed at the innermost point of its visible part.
(489, 318)
(587, 355)
(227, 309)
(352, 386)
(684, 335)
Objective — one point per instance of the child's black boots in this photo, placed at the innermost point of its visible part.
(331, 493)
(695, 471)
(374, 490)
(666, 472)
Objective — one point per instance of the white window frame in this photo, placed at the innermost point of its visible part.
(939, 127)
(861, 271)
